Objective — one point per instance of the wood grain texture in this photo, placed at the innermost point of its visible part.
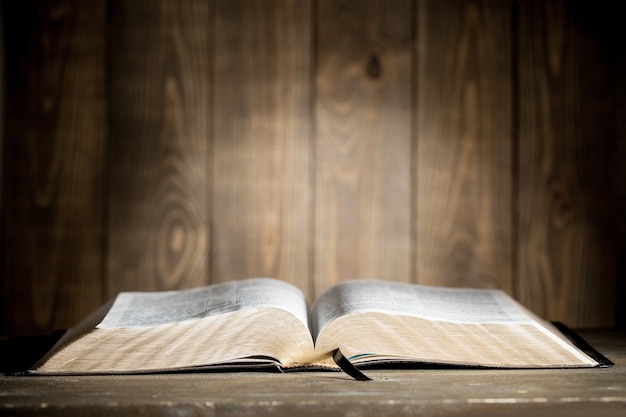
(261, 181)
(363, 143)
(174, 143)
(464, 164)
(160, 132)
(53, 180)
(571, 115)
(2, 118)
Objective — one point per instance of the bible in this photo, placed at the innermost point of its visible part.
(265, 322)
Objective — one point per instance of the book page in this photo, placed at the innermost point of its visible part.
(144, 309)
(374, 337)
(382, 321)
(257, 336)
(457, 305)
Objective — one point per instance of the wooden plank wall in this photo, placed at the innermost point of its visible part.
(55, 165)
(169, 144)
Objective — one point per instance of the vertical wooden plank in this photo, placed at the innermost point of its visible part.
(261, 173)
(160, 131)
(571, 78)
(54, 155)
(363, 144)
(464, 164)
(2, 117)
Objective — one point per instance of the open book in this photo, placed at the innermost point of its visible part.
(265, 322)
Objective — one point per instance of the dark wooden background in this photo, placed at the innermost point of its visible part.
(166, 144)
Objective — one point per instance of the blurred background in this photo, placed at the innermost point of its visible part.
(165, 144)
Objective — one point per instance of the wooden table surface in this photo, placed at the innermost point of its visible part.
(573, 392)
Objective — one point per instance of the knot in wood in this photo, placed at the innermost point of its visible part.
(373, 68)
